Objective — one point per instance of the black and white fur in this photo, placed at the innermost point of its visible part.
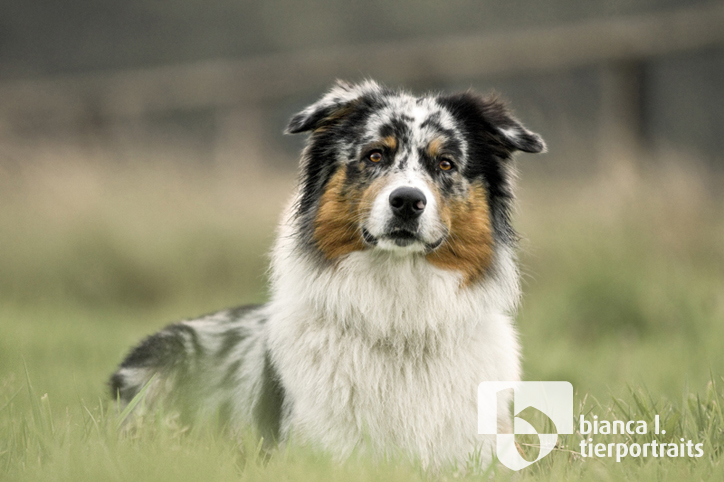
(378, 348)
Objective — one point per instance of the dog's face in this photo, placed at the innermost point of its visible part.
(415, 176)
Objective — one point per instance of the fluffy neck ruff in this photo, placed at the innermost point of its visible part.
(402, 302)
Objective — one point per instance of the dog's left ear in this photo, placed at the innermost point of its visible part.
(332, 106)
(491, 115)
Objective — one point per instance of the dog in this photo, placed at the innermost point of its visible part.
(393, 288)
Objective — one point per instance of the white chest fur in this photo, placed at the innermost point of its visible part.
(386, 353)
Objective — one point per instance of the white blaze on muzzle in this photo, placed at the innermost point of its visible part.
(388, 220)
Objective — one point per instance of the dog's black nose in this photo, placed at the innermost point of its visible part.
(407, 202)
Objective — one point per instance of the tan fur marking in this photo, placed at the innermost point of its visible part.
(336, 228)
(433, 148)
(390, 142)
(469, 245)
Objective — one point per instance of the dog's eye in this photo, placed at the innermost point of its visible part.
(375, 156)
(445, 164)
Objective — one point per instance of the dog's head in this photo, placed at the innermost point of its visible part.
(415, 176)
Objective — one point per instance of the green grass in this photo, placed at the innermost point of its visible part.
(84, 442)
(624, 297)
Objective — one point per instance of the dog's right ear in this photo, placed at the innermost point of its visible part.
(332, 106)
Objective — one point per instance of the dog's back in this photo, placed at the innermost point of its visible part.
(215, 367)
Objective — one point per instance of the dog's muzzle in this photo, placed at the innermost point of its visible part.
(403, 224)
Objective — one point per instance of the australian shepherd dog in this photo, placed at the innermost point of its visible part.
(393, 288)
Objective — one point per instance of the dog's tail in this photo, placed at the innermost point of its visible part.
(213, 366)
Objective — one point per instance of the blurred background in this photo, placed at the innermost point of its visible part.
(142, 168)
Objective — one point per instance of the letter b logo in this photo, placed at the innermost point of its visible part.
(554, 399)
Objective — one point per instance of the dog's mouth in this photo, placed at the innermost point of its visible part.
(401, 238)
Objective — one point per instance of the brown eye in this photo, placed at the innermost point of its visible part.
(445, 165)
(375, 156)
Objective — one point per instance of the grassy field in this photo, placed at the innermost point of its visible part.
(624, 298)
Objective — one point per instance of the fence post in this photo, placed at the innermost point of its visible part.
(621, 129)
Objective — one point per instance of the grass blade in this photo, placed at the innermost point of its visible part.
(134, 402)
